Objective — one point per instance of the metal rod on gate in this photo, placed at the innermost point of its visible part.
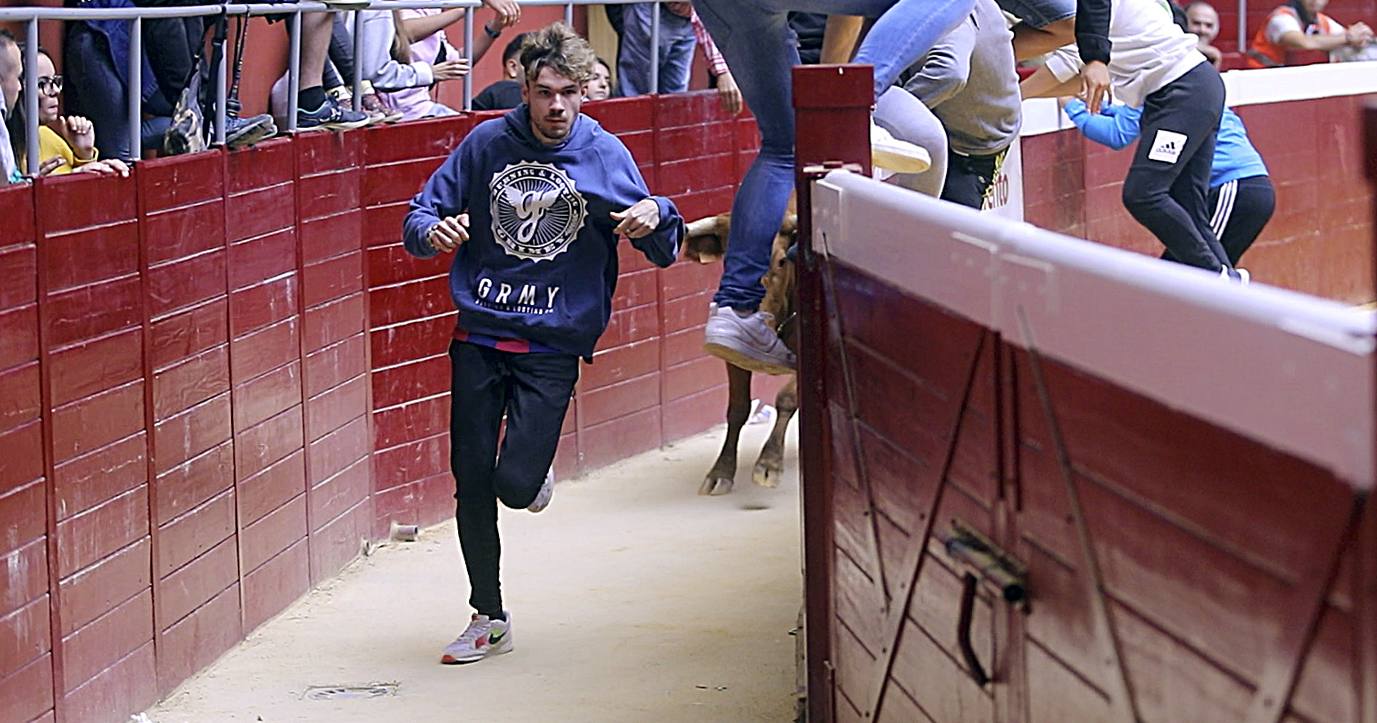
(294, 68)
(357, 17)
(569, 14)
(31, 97)
(655, 48)
(1243, 26)
(468, 55)
(136, 90)
(221, 92)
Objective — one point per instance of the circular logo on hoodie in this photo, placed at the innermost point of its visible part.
(536, 211)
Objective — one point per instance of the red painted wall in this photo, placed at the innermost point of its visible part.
(1319, 239)
(219, 375)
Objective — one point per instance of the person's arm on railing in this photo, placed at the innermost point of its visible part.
(377, 65)
(717, 65)
(1115, 126)
(1355, 36)
(1054, 78)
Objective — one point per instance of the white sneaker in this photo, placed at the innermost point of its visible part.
(547, 491)
(889, 152)
(748, 342)
(1237, 275)
(484, 637)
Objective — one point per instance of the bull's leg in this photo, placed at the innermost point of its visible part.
(770, 466)
(723, 473)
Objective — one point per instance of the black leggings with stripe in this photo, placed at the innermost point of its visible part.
(1239, 210)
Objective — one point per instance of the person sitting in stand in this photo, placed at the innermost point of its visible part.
(506, 93)
(1300, 25)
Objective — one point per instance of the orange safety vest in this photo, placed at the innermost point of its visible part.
(1263, 53)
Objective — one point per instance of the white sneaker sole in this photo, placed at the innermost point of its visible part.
(500, 649)
(914, 159)
(741, 360)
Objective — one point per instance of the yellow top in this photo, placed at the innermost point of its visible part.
(52, 145)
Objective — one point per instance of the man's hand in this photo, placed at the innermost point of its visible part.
(48, 167)
(729, 93)
(640, 220)
(1358, 34)
(1212, 54)
(449, 234)
(110, 167)
(1094, 85)
(507, 10)
(450, 69)
(80, 135)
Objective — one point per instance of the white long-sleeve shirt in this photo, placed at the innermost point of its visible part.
(376, 64)
(1148, 51)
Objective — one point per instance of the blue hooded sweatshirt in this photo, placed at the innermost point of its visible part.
(540, 264)
(1119, 125)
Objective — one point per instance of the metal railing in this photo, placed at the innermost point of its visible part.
(293, 11)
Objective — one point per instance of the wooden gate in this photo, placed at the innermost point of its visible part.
(1050, 481)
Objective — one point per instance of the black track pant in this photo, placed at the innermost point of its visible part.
(1239, 210)
(1169, 180)
(533, 391)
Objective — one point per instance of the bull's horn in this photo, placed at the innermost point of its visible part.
(703, 227)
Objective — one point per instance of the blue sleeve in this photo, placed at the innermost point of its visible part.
(1116, 127)
(445, 194)
(625, 188)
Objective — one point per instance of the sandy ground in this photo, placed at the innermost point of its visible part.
(632, 599)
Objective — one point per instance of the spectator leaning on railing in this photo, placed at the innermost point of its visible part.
(11, 66)
(420, 38)
(66, 144)
(1300, 25)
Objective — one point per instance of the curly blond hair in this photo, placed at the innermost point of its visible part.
(559, 48)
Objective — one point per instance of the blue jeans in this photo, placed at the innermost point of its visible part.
(97, 90)
(755, 39)
(633, 58)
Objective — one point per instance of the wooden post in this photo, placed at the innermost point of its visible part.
(832, 114)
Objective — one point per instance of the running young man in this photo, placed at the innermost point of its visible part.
(1155, 65)
(532, 204)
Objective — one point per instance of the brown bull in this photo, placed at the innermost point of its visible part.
(707, 241)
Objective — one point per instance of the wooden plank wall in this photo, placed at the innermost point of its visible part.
(221, 374)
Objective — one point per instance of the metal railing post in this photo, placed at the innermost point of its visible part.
(1243, 26)
(294, 68)
(468, 55)
(357, 17)
(221, 90)
(31, 97)
(569, 14)
(136, 89)
(655, 49)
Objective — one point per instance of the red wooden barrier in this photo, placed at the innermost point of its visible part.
(1318, 240)
(1178, 568)
(26, 666)
(219, 375)
(410, 318)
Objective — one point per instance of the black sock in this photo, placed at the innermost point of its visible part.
(311, 98)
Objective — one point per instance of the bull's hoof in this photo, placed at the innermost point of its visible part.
(714, 485)
(767, 474)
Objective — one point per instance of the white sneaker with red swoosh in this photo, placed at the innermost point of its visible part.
(483, 638)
